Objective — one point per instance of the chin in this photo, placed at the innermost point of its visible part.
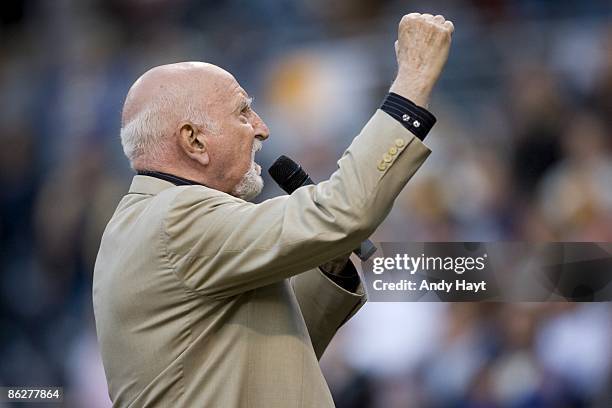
(250, 185)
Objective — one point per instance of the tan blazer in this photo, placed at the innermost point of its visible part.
(205, 300)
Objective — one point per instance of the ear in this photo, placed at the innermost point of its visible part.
(193, 143)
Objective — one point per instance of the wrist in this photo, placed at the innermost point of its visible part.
(411, 89)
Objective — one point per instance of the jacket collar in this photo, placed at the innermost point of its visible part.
(153, 182)
(148, 185)
(176, 180)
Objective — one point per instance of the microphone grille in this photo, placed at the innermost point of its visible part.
(283, 169)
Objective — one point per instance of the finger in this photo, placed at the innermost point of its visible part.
(439, 19)
(411, 16)
(427, 16)
(396, 46)
(449, 25)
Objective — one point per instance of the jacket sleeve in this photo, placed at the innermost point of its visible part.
(221, 246)
(325, 306)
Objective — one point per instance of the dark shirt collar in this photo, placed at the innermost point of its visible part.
(176, 180)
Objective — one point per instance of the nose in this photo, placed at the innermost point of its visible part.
(261, 129)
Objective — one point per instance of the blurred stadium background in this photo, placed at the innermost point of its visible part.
(522, 151)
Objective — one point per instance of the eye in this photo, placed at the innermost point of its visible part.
(245, 109)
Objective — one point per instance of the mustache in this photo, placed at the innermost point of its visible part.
(257, 145)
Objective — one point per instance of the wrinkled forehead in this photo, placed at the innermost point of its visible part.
(212, 81)
(198, 84)
(226, 89)
(220, 89)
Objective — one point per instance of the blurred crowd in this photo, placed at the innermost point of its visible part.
(522, 151)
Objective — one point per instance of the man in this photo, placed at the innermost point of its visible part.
(203, 299)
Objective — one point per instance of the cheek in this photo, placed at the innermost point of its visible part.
(247, 156)
(234, 154)
(242, 157)
(247, 146)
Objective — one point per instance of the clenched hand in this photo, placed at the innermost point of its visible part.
(421, 50)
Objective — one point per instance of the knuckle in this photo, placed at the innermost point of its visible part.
(432, 24)
(407, 18)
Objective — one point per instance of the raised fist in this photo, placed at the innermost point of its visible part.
(421, 50)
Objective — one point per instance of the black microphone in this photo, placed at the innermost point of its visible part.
(290, 176)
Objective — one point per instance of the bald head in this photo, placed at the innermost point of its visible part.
(193, 120)
(163, 97)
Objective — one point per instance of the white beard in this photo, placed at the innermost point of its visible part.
(251, 183)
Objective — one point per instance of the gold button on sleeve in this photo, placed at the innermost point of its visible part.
(387, 158)
(393, 150)
(382, 166)
(400, 142)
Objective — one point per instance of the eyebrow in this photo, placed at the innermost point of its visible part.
(248, 101)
